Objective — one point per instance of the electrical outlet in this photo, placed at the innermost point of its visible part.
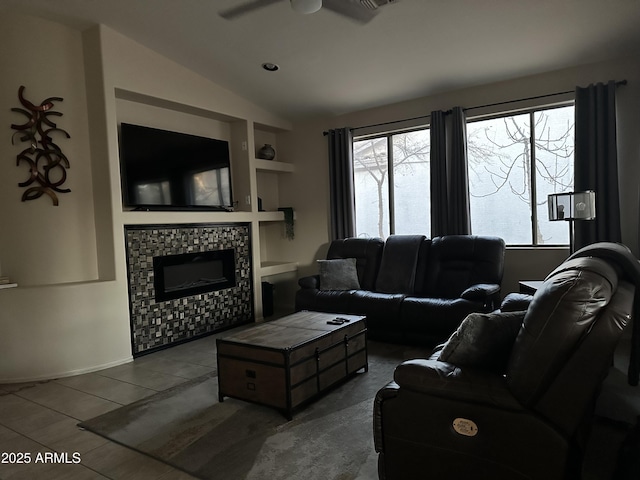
(244, 146)
(247, 200)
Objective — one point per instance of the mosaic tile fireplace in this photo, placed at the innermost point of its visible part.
(159, 321)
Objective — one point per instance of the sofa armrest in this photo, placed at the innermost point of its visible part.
(385, 393)
(441, 379)
(311, 282)
(515, 302)
(481, 291)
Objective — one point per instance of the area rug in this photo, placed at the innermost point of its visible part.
(330, 439)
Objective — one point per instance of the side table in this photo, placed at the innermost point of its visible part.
(530, 286)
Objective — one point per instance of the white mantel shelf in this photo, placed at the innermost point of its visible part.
(271, 216)
(275, 268)
(162, 217)
(8, 285)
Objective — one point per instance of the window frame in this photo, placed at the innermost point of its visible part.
(388, 135)
(530, 111)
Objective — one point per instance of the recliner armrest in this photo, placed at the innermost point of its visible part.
(515, 302)
(446, 380)
(481, 291)
(311, 282)
(388, 391)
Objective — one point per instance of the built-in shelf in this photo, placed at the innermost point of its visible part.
(8, 285)
(271, 216)
(275, 268)
(273, 166)
(162, 217)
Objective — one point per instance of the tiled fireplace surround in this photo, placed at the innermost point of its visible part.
(158, 324)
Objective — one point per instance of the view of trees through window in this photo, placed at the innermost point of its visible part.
(400, 160)
(515, 161)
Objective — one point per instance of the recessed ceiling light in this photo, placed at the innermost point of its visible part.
(270, 67)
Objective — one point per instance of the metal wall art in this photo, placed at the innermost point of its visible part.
(47, 164)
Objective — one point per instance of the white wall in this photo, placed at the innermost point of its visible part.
(308, 146)
(156, 117)
(70, 313)
(41, 244)
(62, 318)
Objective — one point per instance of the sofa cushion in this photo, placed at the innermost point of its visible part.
(437, 316)
(457, 262)
(338, 274)
(562, 311)
(330, 301)
(382, 311)
(366, 251)
(483, 340)
(398, 266)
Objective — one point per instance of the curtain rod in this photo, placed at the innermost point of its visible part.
(621, 82)
(618, 83)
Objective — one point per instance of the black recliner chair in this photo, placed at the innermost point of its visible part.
(518, 410)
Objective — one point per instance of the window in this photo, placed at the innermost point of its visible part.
(391, 182)
(515, 161)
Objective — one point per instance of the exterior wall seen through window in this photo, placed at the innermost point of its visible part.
(515, 161)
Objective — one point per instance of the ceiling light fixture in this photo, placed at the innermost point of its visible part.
(270, 67)
(306, 6)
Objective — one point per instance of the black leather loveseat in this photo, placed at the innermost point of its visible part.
(412, 289)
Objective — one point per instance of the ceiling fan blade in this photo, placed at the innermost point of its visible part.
(247, 7)
(352, 9)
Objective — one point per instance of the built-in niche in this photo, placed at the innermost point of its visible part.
(209, 287)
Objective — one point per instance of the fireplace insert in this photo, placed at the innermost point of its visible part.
(177, 276)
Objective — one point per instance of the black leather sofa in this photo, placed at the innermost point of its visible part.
(511, 394)
(412, 289)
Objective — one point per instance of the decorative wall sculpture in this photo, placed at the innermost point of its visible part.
(47, 164)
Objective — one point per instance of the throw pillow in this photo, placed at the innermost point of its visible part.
(338, 274)
(483, 340)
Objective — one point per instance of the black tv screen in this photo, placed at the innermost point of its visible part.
(169, 170)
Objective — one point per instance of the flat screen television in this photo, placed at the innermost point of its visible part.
(163, 170)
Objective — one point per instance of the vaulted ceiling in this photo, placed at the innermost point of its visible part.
(330, 64)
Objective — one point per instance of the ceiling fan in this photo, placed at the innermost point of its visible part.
(361, 11)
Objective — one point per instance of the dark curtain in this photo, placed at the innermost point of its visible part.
(459, 216)
(596, 162)
(438, 160)
(450, 211)
(341, 189)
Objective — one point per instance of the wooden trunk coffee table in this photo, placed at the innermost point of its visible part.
(288, 362)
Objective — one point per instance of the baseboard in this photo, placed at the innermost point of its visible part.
(69, 373)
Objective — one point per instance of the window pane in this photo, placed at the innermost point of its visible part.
(411, 197)
(499, 178)
(554, 168)
(371, 183)
(211, 187)
(157, 193)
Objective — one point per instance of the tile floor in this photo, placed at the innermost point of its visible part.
(41, 417)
